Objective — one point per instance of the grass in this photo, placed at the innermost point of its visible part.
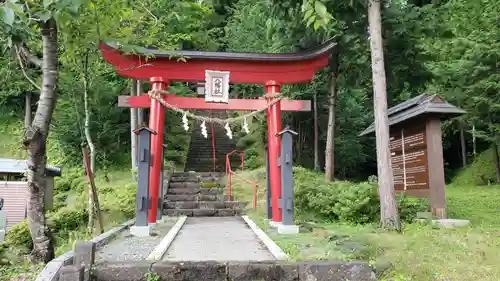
(11, 147)
(480, 172)
(420, 253)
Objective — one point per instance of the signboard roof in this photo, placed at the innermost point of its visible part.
(419, 105)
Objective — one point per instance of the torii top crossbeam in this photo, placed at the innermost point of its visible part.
(251, 68)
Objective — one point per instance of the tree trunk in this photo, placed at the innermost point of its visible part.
(35, 142)
(140, 111)
(462, 144)
(27, 110)
(497, 161)
(474, 142)
(133, 127)
(330, 136)
(88, 138)
(316, 133)
(389, 216)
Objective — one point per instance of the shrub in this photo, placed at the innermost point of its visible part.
(19, 236)
(345, 201)
(60, 222)
(121, 201)
(480, 172)
(337, 200)
(67, 219)
(253, 159)
(71, 180)
(59, 200)
(410, 206)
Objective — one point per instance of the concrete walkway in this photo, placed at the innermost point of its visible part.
(216, 238)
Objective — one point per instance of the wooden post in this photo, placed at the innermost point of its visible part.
(142, 199)
(436, 168)
(90, 178)
(268, 188)
(84, 256)
(286, 158)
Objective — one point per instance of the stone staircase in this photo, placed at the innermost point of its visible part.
(200, 154)
(187, 196)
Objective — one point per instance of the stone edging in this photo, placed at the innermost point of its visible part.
(162, 248)
(268, 242)
(235, 271)
(51, 269)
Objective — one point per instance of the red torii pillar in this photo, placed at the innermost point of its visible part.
(270, 70)
(156, 123)
(274, 146)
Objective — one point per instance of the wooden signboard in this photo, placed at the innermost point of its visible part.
(417, 149)
(417, 161)
(409, 158)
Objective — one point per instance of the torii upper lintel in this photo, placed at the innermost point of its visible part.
(251, 68)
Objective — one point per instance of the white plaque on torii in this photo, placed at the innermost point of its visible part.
(216, 86)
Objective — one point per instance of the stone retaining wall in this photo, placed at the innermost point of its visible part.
(234, 271)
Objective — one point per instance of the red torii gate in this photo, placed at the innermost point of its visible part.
(270, 70)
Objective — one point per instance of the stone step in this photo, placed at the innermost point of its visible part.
(201, 174)
(193, 178)
(189, 185)
(204, 205)
(202, 212)
(190, 197)
(194, 190)
(218, 149)
(219, 143)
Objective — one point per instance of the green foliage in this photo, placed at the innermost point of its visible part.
(152, 276)
(67, 219)
(343, 201)
(254, 158)
(316, 13)
(19, 236)
(480, 172)
(410, 206)
(69, 223)
(72, 180)
(318, 200)
(122, 200)
(10, 136)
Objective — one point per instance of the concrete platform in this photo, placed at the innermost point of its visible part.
(217, 239)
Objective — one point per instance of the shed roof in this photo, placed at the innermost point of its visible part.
(419, 105)
(16, 166)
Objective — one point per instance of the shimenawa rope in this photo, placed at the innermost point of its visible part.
(156, 94)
